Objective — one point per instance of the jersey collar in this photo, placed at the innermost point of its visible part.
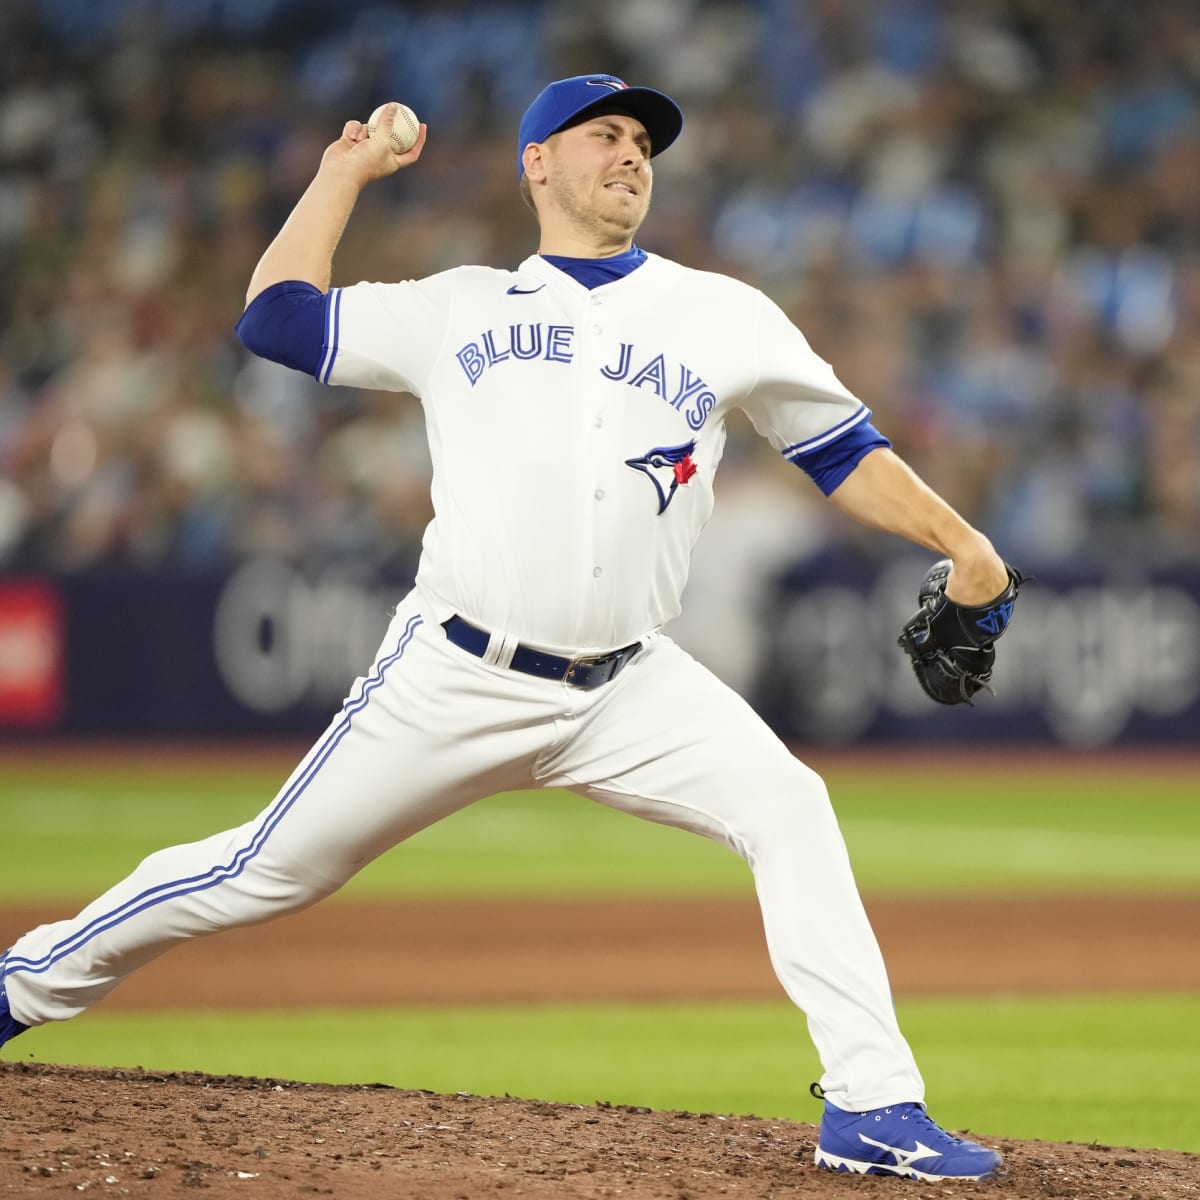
(595, 272)
(559, 280)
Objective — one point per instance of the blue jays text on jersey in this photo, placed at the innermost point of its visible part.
(676, 383)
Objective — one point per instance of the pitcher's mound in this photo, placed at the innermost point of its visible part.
(138, 1133)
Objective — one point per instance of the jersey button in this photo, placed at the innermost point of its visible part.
(599, 493)
(597, 329)
(597, 572)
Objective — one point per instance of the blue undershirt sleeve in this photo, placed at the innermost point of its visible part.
(286, 324)
(828, 465)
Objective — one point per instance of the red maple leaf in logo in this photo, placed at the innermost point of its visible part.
(684, 469)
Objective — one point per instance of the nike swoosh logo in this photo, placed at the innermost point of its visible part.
(516, 291)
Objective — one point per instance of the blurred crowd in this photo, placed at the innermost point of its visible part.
(984, 213)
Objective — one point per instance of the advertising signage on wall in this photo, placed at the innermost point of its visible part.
(31, 654)
(1089, 660)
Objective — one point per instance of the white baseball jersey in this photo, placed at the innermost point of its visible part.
(524, 376)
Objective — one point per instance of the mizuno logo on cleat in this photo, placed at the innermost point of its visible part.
(904, 1158)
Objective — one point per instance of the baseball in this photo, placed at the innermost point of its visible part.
(405, 128)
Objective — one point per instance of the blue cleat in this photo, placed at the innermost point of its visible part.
(900, 1140)
(9, 1025)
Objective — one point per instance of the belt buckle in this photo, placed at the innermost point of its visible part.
(569, 673)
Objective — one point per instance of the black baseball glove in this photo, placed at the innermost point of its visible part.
(952, 647)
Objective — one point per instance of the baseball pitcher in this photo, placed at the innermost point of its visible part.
(575, 409)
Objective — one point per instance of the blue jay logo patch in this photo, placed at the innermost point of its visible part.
(666, 467)
(608, 81)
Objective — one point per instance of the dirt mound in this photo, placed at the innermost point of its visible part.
(137, 1133)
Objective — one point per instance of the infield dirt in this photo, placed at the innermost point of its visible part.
(141, 1133)
(134, 1133)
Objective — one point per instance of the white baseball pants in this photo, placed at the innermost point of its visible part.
(432, 729)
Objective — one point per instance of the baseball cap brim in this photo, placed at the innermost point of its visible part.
(567, 102)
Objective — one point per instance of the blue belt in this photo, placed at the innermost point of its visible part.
(583, 673)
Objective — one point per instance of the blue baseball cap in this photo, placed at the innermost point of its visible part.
(571, 100)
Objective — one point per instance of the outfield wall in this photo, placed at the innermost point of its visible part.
(271, 649)
(1090, 659)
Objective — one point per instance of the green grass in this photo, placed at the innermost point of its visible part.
(71, 831)
(1117, 1070)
